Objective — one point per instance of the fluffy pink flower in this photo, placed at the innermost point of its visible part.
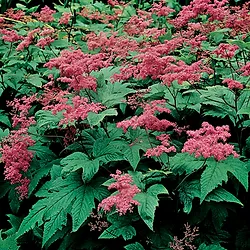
(65, 18)
(28, 40)
(47, 32)
(17, 158)
(160, 10)
(209, 142)
(226, 50)
(10, 35)
(77, 111)
(20, 111)
(42, 42)
(45, 15)
(245, 69)
(164, 147)
(232, 84)
(123, 200)
(75, 67)
(17, 15)
(148, 119)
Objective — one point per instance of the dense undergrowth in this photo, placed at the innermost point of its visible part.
(125, 128)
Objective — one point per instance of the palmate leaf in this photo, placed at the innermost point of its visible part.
(187, 192)
(217, 172)
(15, 223)
(117, 230)
(148, 202)
(95, 119)
(112, 94)
(190, 190)
(210, 247)
(106, 150)
(9, 243)
(134, 246)
(222, 100)
(220, 194)
(77, 161)
(63, 196)
(185, 163)
(132, 155)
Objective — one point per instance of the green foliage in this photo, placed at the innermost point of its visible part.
(137, 68)
(148, 202)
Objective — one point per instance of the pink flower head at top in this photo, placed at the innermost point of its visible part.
(148, 118)
(45, 15)
(65, 18)
(209, 141)
(123, 200)
(232, 84)
(226, 50)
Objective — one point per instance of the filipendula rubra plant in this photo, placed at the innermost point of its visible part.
(120, 125)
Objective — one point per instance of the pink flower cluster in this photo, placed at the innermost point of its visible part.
(245, 69)
(209, 141)
(166, 68)
(114, 46)
(65, 18)
(17, 159)
(10, 35)
(124, 199)
(226, 50)
(76, 111)
(233, 84)
(160, 10)
(165, 146)
(16, 15)
(148, 119)
(75, 67)
(215, 9)
(27, 40)
(45, 15)
(20, 108)
(42, 42)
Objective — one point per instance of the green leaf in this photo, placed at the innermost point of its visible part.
(116, 230)
(4, 118)
(77, 161)
(63, 196)
(15, 223)
(46, 120)
(216, 172)
(212, 177)
(62, 43)
(9, 243)
(134, 246)
(203, 246)
(185, 163)
(132, 155)
(56, 222)
(82, 206)
(157, 189)
(187, 192)
(34, 217)
(148, 203)
(4, 133)
(35, 80)
(220, 194)
(95, 119)
(112, 94)
(106, 150)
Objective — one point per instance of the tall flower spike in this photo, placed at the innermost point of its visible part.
(209, 142)
(124, 199)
